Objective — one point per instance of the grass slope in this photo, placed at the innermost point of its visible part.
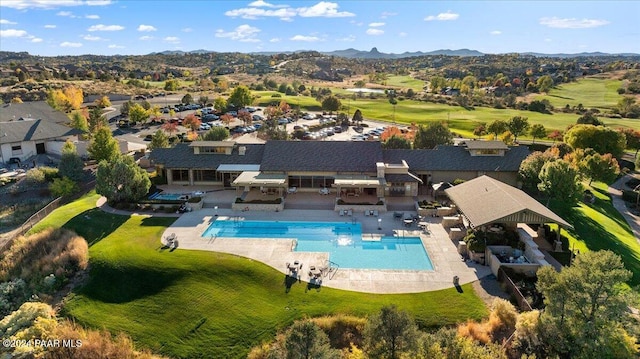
(590, 92)
(599, 226)
(192, 304)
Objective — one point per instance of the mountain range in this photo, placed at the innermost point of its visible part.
(375, 54)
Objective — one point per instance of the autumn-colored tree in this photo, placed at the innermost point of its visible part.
(555, 135)
(191, 122)
(226, 119)
(170, 128)
(103, 102)
(390, 132)
(245, 117)
(138, 114)
(284, 106)
(74, 96)
(479, 131)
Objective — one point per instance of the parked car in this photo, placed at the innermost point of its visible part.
(210, 117)
(257, 118)
(337, 129)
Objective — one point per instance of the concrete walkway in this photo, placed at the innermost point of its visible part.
(615, 191)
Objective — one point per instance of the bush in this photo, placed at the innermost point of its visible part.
(35, 176)
(475, 331)
(195, 199)
(503, 316)
(343, 330)
(63, 187)
(50, 173)
(12, 294)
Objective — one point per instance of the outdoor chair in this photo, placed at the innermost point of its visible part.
(349, 213)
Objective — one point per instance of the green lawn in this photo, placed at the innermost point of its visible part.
(203, 304)
(405, 82)
(599, 226)
(590, 92)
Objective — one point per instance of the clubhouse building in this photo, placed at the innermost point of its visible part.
(354, 171)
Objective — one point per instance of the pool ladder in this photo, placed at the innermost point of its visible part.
(330, 269)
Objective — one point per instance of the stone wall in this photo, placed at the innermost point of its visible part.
(263, 207)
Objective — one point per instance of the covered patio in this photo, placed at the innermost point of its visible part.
(259, 184)
(357, 186)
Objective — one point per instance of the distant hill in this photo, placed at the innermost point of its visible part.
(581, 54)
(375, 54)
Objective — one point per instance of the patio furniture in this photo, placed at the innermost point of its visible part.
(408, 221)
(349, 213)
(342, 212)
(292, 190)
(324, 191)
(375, 213)
(398, 215)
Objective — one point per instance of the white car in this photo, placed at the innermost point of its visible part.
(205, 127)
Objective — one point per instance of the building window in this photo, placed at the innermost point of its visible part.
(181, 175)
(213, 150)
(16, 150)
(204, 175)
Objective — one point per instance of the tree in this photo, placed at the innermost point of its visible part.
(331, 104)
(508, 138)
(603, 168)
(226, 119)
(538, 131)
(479, 131)
(518, 125)
(529, 171)
(103, 102)
(124, 108)
(240, 97)
(159, 140)
(71, 165)
(216, 134)
(187, 99)
(589, 119)
(390, 333)
(171, 85)
(544, 83)
(435, 133)
(170, 128)
(192, 122)
(305, 340)
(137, 114)
(586, 307)
(103, 146)
(245, 117)
(396, 142)
(220, 104)
(96, 120)
(555, 135)
(357, 117)
(558, 180)
(601, 139)
(203, 100)
(79, 122)
(497, 127)
(632, 138)
(122, 180)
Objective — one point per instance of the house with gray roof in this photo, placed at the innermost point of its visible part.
(351, 170)
(22, 139)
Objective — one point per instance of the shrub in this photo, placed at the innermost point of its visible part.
(503, 316)
(63, 187)
(475, 331)
(50, 173)
(195, 199)
(12, 294)
(35, 176)
(343, 330)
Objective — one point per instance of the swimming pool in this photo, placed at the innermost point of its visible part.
(167, 196)
(342, 240)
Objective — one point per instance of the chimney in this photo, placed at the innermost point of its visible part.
(242, 150)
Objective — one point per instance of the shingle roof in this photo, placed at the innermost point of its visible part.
(182, 156)
(343, 156)
(457, 158)
(33, 130)
(479, 145)
(485, 200)
(35, 110)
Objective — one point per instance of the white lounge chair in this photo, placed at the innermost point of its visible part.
(349, 213)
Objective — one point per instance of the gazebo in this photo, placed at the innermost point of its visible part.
(485, 200)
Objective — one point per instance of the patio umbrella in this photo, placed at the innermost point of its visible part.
(441, 186)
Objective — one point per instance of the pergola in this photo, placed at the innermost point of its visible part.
(357, 183)
(485, 200)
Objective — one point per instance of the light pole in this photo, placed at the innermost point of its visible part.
(379, 224)
(216, 210)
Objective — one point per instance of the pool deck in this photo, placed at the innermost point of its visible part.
(277, 253)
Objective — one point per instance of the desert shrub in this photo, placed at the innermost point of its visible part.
(53, 251)
(34, 176)
(475, 331)
(32, 320)
(50, 173)
(503, 316)
(343, 330)
(12, 294)
(527, 336)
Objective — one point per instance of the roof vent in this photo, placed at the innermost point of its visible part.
(242, 150)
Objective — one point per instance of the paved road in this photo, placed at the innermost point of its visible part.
(615, 190)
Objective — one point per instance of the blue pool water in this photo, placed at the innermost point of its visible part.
(167, 196)
(342, 240)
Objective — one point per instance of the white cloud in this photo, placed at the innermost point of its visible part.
(13, 33)
(101, 27)
(275, 39)
(172, 39)
(145, 38)
(146, 28)
(547, 40)
(7, 22)
(253, 13)
(375, 32)
(259, 9)
(50, 26)
(572, 23)
(242, 33)
(91, 38)
(443, 16)
(49, 4)
(70, 44)
(261, 3)
(93, 17)
(113, 46)
(305, 38)
(323, 9)
(496, 32)
(350, 38)
(187, 29)
(386, 14)
(376, 24)
(36, 40)
(402, 34)
(65, 13)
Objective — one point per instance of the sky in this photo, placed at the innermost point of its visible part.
(109, 27)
